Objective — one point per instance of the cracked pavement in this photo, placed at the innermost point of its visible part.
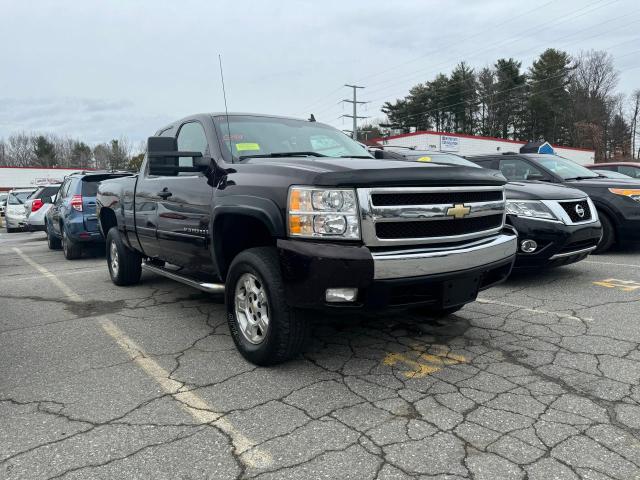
(540, 379)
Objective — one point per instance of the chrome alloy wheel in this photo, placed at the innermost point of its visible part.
(252, 308)
(115, 260)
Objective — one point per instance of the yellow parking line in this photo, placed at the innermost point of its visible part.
(189, 401)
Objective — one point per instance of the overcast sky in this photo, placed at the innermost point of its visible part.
(98, 70)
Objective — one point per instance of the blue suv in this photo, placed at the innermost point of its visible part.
(71, 221)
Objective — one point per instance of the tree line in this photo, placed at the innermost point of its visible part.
(48, 151)
(566, 100)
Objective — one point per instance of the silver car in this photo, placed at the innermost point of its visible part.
(14, 215)
(37, 205)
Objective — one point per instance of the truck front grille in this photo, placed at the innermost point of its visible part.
(437, 228)
(428, 215)
(429, 198)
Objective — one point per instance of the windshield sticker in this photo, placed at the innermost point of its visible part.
(235, 137)
(424, 159)
(241, 147)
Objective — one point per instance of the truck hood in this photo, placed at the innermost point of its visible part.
(541, 191)
(365, 172)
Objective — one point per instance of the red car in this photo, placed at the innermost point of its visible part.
(631, 169)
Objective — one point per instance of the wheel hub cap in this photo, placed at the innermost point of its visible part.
(252, 308)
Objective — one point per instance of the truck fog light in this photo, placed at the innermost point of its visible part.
(528, 246)
(335, 295)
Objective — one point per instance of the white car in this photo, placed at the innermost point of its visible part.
(37, 205)
(14, 215)
(3, 200)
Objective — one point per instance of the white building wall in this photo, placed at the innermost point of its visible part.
(11, 177)
(467, 145)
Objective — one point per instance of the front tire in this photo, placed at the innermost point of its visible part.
(608, 234)
(125, 265)
(71, 249)
(265, 329)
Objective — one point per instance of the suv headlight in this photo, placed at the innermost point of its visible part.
(632, 193)
(530, 208)
(323, 213)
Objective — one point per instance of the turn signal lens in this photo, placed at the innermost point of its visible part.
(632, 193)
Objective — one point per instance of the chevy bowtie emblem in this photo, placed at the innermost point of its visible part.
(458, 211)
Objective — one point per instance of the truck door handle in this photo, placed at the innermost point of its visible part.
(165, 193)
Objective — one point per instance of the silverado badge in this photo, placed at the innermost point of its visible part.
(458, 211)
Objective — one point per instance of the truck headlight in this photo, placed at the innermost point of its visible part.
(530, 208)
(632, 193)
(323, 213)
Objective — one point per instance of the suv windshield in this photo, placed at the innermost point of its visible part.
(252, 136)
(566, 169)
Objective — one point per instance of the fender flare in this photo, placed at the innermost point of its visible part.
(260, 208)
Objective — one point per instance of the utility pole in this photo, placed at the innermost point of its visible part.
(355, 117)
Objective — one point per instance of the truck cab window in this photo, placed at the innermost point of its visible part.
(192, 139)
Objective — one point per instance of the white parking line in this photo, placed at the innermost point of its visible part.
(614, 264)
(189, 401)
(534, 310)
(46, 273)
(19, 278)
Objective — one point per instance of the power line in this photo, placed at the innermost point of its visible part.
(558, 20)
(355, 103)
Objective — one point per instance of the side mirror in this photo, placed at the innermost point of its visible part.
(379, 154)
(536, 176)
(166, 160)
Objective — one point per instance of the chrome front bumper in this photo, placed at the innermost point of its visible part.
(433, 261)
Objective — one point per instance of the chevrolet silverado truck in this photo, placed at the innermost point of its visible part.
(284, 215)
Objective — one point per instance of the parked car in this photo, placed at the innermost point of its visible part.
(283, 214)
(3, 202)
(617, 201)
(37, 205)
(556, 225)
(71, 222)
(610, 174)
(15, 218)
(630, 169)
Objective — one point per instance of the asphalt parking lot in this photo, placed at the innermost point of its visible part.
(539, 379)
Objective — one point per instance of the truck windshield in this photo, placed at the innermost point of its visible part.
(566, 169)
(251, 136)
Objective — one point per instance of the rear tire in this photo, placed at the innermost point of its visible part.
(52, 241)
(254, 291)
(71, 249)
(608, 234)
(125, 265)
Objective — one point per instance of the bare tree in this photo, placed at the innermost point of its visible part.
(635, 114)
(20, 150)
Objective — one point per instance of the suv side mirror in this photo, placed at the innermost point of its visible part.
(165, 158)
(536, 176)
